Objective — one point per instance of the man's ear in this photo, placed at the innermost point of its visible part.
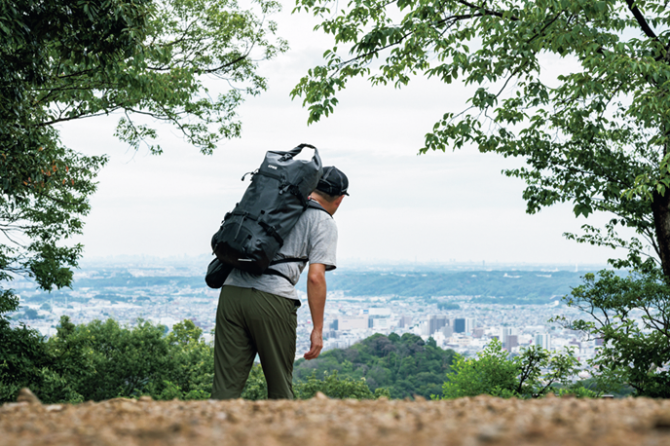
(338, 200)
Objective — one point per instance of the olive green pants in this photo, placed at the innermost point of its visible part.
(249, 321)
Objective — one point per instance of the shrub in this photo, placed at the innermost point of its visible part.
(493, 372)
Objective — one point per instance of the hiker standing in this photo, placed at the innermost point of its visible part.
(257, 314)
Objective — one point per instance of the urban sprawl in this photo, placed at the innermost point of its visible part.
(168, 296)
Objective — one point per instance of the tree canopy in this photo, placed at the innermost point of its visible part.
(596, 136)
(402, 365)
(147, 60)
(102, 360)
(535, 372)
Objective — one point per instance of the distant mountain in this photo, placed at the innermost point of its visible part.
(491, 286)
(525, 285)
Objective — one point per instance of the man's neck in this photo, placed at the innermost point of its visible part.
(324, 204)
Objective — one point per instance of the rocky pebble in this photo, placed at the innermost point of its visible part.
(322, 421)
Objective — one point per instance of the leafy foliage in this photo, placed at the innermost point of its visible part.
(493, 372)
(23, 357)
(102, 360)
(632, 317)
(334, 387)
(256, 387)
(405, 366)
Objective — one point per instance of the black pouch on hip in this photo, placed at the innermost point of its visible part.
(217, 273)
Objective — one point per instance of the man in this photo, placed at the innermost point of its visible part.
(258, 314)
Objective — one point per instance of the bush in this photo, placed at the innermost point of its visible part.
(629, 314)
(256, 387)
(493, 372)
(333, 386)
(24, 358)
(102, 360)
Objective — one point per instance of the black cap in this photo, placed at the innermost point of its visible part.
(333, 182)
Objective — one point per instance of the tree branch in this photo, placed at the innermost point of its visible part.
(486, 11)
(641, 20)
(80, 116)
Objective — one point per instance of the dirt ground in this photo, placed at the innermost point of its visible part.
(324, 422)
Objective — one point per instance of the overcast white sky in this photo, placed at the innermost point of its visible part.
(435, 207)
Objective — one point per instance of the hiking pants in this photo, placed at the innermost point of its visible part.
(249, 321)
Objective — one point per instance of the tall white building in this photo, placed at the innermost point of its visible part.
(508, 331)
(543, 340)
(470, 324)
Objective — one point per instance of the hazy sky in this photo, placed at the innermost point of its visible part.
(434, 207)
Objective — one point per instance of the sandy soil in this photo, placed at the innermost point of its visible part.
(324, 422)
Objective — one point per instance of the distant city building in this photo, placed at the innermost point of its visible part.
(470, 324)
(404, 321)
(447, 331)
(464, 325)
(543, 341)
(380, 323)
(506, 333)
(353, 323)
(478, 333)
(511, 342)
(436, 322)
(379, 311)
(330, 334)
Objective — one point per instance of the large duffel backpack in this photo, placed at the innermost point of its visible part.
(252, 234)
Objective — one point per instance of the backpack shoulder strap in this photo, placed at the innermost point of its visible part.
(273, 272)
(315, 205)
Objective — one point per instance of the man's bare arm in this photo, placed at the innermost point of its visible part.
(316, 297)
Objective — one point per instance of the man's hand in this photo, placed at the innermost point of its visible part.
(317, 344)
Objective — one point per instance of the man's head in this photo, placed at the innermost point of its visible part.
(331, 189)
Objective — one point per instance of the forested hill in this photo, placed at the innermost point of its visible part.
(508, 284)
(405, 365)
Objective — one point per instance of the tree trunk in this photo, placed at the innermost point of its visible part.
(661, 208)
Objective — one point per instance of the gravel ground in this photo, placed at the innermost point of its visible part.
(324, 422)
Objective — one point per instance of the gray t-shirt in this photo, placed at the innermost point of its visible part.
(314, 237)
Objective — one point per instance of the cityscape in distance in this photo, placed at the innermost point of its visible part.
(462, 306)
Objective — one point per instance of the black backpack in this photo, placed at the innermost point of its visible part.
(252, 234)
